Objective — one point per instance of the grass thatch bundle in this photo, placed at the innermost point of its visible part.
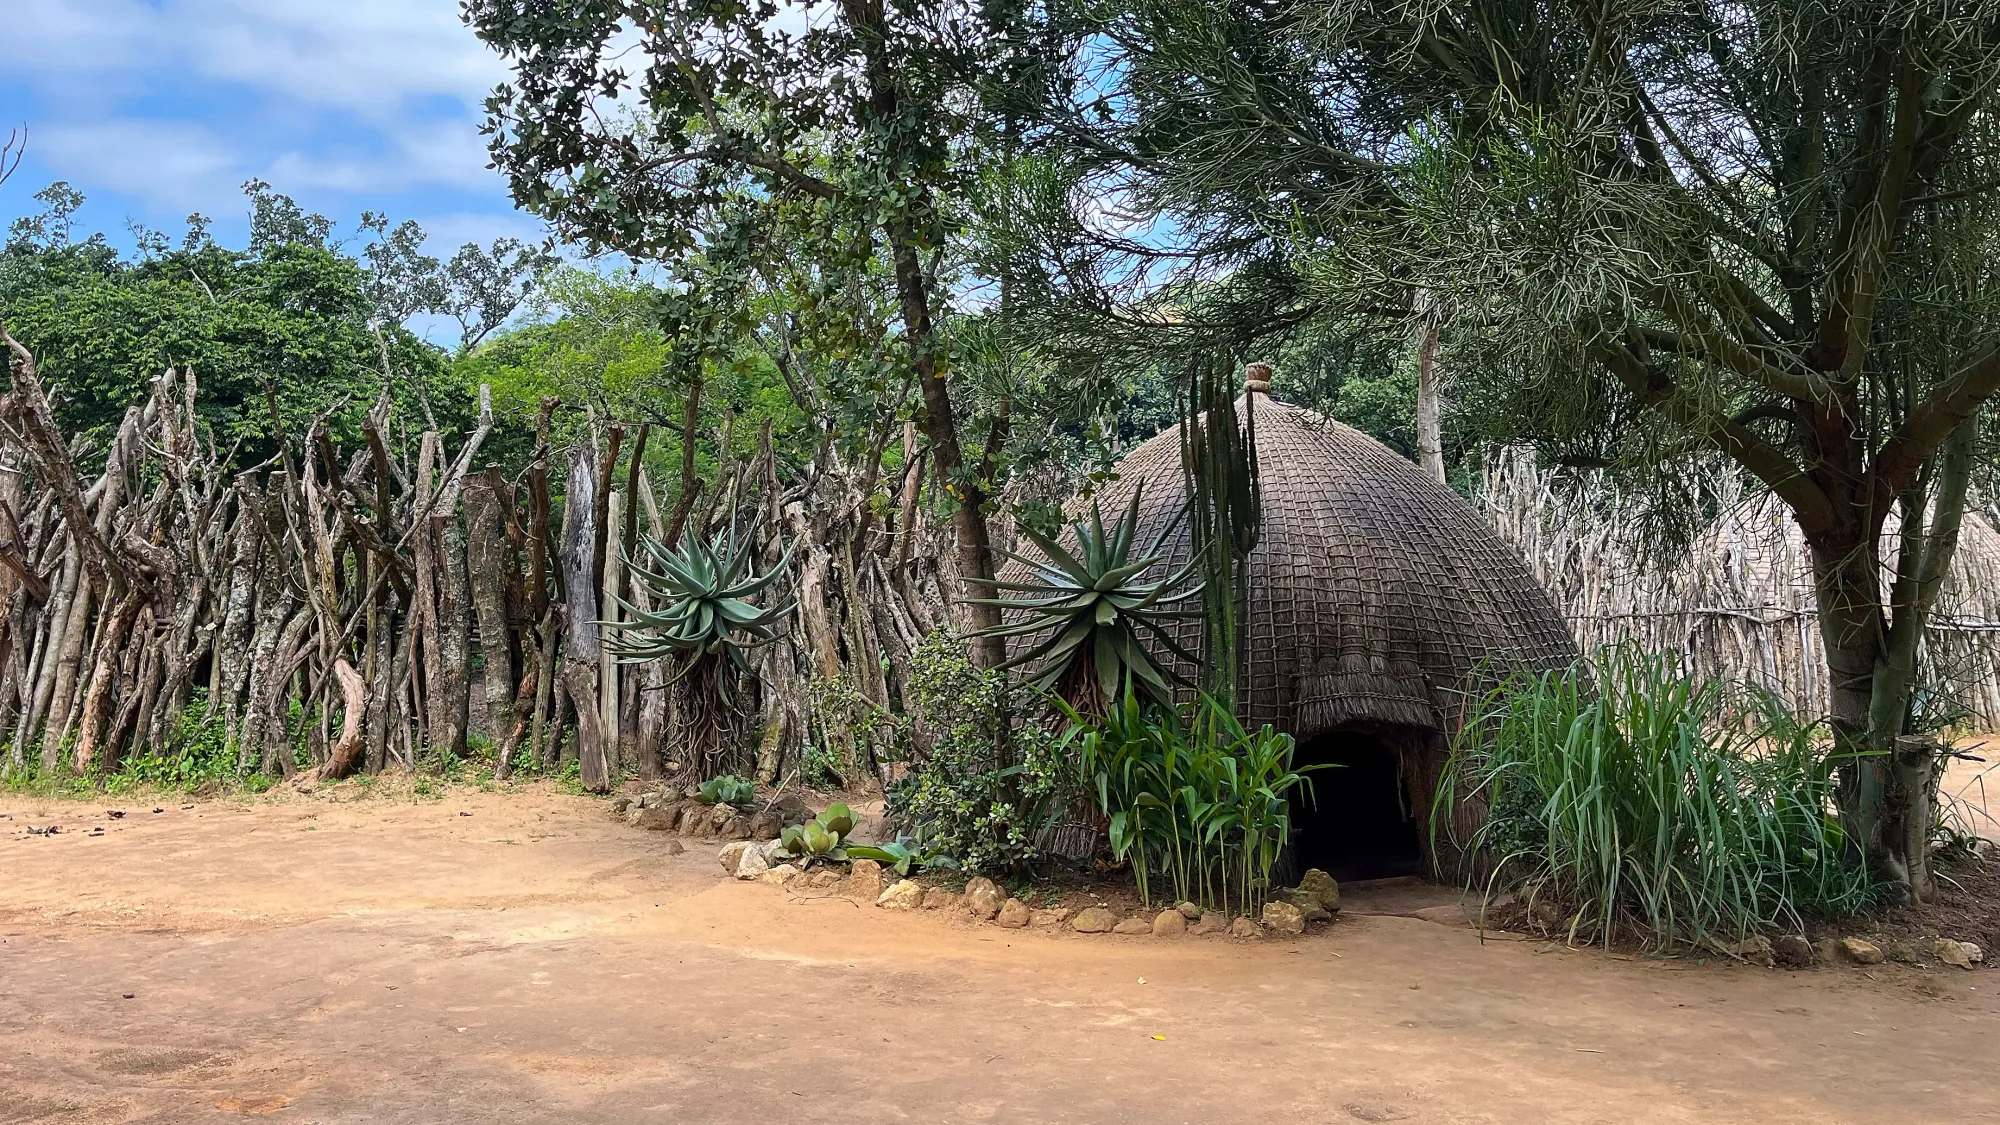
(1737, 602)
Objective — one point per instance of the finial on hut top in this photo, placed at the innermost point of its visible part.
(1257, 378)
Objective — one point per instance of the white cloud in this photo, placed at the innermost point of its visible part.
(174, 103)
(450, 231)
(173, 163)
(365, 56)
(449, 154)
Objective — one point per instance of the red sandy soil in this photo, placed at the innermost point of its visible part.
(525, 957)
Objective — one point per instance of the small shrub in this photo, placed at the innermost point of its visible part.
(200, 751)
(990, 783)
(1652, 804)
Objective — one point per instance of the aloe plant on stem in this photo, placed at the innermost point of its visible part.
(1094, 603)
(700, 615)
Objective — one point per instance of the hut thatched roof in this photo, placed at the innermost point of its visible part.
(1374, 592)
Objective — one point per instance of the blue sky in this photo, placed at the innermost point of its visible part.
(157, 108)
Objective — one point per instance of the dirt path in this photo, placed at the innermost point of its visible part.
(526, 959)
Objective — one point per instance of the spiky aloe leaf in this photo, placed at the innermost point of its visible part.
(1086, 603)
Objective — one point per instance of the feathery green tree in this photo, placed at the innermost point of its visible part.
(1671, 229)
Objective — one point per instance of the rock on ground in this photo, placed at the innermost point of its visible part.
(983, 898)
(937, 898)
(1963, 954)
(1133, 926)
(791, 810)
(1093, 920)
(1013, 914)
(1189, 911)
(1284, 918)
(1756, 949)
(1170, 923)
(1054, 916)
(1861, 951)
(1245, 927)
(864, 880)
(1210, 923)
(1792, 951)
(732, 855)
(736, 828)
(1321, 887)
(907, 894)
(753, 863)
(766, 825)
(658, 818)
(780, 875)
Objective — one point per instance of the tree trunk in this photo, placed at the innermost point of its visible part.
(1430, 436)
(580, 655)
(486, 559)
(451, 695)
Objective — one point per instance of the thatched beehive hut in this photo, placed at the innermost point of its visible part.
(1373, 595)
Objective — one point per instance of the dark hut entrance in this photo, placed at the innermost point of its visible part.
(1360, 822)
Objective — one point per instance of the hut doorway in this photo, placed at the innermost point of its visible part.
(1359, 822)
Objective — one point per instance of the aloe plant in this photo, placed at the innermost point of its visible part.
(703, 618)
(902, 853)
(700, 590)
(819, 838)
(1094, 603)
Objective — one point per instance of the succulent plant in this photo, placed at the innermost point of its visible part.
(819, 838)
(1094, 603)
(901, 854)
(728, 789)
(700, 590)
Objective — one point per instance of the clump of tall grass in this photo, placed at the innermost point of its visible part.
(1653, 805)
(1201, 803)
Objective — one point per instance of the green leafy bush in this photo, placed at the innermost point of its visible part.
(1205, 804)
(1651, 804)
(201, 751)
(988, 783)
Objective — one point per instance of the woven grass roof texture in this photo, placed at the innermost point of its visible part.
(1374, 591)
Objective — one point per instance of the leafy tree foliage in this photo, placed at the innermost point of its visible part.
(275, 334)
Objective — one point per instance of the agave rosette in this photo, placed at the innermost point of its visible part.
(1095, 605)
(702, 590)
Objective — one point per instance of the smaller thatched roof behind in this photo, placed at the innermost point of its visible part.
(1374, 592)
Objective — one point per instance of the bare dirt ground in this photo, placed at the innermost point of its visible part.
(525, 958)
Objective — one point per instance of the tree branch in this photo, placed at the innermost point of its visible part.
(1927, 427)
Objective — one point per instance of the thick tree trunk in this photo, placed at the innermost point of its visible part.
(451, 695)
(1430, 434)
(486, 559)
(580, 654)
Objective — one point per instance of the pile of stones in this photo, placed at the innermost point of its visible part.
(669, 810)
(1795, 951)
(1315, 899)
